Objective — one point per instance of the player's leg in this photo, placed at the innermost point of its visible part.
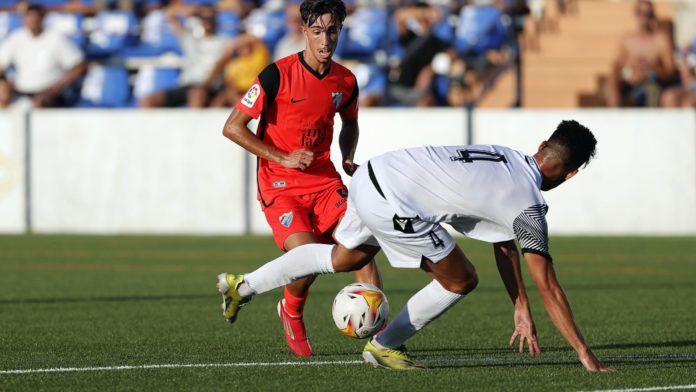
(328, 211)
(357, 249)
(453, 277)
(291, 306)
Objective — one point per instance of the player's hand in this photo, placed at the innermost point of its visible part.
(350, 167)
(592, 363)
(526, 331)
(298, 159)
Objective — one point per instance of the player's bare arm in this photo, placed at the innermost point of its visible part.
(236, 130)
(558, 308)
(665, 67)
(348, 141)
(507, 259)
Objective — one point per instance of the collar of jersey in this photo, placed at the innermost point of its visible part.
(311, 70)
(535, 168)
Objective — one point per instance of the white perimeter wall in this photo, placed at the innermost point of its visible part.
(12, 206)
(172, 171)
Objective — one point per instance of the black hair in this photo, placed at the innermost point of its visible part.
(36, 8)
(311, 10)
(574, 143)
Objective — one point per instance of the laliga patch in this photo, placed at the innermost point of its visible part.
(251, 96)
(286, 219)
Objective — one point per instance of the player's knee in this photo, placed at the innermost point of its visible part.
(345, 260)
(463, 286)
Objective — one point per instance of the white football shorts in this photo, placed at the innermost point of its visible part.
(370, 219)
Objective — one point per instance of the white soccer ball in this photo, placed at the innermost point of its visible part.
(360, 310)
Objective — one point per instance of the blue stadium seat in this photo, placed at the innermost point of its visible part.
(372, 79)
(69, 24)
(480, 28)
(364, 34)
(8, 4)
(156, 38)
(444, 30)
(229, 23)
(151, 79)
(112, 32)
(105, 86)
(49, 3)
(9, 21)
(267, 25)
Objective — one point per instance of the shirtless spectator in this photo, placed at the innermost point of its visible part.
(46, 63)
(645, 65)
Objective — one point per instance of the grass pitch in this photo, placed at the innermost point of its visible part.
(142, 313)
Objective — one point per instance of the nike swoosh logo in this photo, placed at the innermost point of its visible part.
(293, 100)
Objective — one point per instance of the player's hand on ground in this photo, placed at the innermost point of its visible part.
(298, 159)
(592, 363)
(526, 331)
(350, 167)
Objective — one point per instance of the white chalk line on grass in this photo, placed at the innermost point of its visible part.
(176, 366)
(650, 389)
(433, 359)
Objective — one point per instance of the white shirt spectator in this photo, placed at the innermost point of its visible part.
(200, 56)
(39, 61)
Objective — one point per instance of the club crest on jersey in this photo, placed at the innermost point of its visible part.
(251, 96)
(336, 98)
(286, 219)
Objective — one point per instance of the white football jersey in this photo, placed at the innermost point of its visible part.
(486, 192)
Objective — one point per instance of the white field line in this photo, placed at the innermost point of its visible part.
(176, 366)
(650, 389)
(433, 359)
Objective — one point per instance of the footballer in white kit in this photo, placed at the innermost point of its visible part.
(489, 193)
(398, 202)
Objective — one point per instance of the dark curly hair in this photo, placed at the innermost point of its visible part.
(573, 143)
(311, 10)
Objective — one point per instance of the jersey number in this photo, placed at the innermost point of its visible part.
(478, 155)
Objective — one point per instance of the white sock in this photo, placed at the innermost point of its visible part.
(305, 260)
(425, 306)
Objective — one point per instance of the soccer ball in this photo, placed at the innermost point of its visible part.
(360, 310)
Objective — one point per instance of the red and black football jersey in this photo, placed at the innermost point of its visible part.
(296, 106)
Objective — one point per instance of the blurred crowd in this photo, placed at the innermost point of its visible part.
(205, 53)
(648, 70)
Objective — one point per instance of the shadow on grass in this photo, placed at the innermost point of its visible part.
(324, 291)
(676, 343)
(168, 297)
(682, 360)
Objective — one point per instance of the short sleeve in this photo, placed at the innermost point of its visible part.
(262, 92)
(70, 55)
(349, 110)
(7, 48)
(532, 231)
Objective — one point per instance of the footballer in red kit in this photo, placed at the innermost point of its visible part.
(301, 194)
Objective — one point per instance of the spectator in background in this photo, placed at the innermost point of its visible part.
(644, 66)
(202, 48)
(414, 75)
(293, 41)
(46, 64)
(241, 61)
(685, 94)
